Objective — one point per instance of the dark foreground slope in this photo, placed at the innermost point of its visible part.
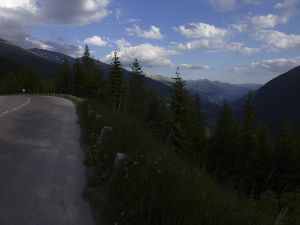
(278, 101)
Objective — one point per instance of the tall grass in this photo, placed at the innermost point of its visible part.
(153, 185)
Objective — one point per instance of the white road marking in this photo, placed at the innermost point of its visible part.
(27, 101)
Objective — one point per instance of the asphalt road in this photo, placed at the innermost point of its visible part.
(42, 175)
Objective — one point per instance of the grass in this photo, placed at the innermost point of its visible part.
(153, 185)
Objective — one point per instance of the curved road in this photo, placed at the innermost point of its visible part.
(41, 163)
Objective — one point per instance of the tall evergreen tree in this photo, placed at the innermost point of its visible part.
(64, 79)
(87, 58)
(137, 93)
(116, 90)
(92, 76)
(180, 107)
(78, 78)
(249, 145)
(199, 133)
(226, 142)
(285, 153)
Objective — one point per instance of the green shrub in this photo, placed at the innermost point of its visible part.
(153, 185)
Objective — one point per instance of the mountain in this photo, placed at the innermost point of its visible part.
(218, 92)
(278, 101)
(52, 56)
(15, 54)
(162, 88)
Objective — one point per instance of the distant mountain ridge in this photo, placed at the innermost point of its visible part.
(218, 92)
(213, 91)
(45, 68)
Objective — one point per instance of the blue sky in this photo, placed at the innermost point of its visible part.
(237, 41)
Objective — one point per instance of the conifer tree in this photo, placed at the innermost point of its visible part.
(180, 107)
(137, 93)
(249, 145)
(199, 133)
(116, 91)
(64, 79)
(226, 142)
(262, 161)
(285, 153)
(92, 76)
(78, 78)
(87, 58)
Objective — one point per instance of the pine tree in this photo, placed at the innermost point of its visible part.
(64, 79)
(29, 80)
(226, 141)
(78, 78)
(92, 76)
(249, 145)
(285, 153)
(86, 58)
(116, 91)
(137, 94)
(262, 161)
(180, 107)
(199, 134)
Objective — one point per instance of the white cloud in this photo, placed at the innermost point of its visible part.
(72, 12)
(122, 43)
(18, 17)
(240, 48)
(201, 30)
(216, 45)
(287, 4)
(223, 5)
(275, 40)
(69, 49)
(147, 54)
(95, 40)
(194, 66)
(28, 5)
(268, 21)
(276, 66)
(211, 38)
(134, 20)
(152, 33)
(38, 44)
(119, 13)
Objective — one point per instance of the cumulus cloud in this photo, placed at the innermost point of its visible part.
(268, 21)
(194, 66)
(95, 40)
(147, 54)
(152, 33)
(18, 17)
(122, 43)
(223, 5)
(211, 38)
(276, 40)
(72, 12)
(202, 30)
(278, 65)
